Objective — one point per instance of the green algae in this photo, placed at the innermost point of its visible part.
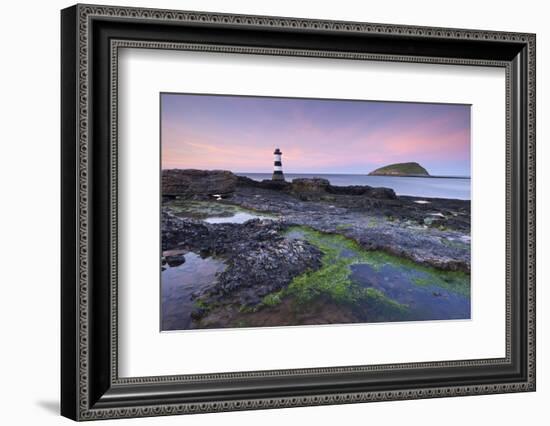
(198, 303)
(455, 281)
(383, 307)
(272, 299)
(332, 280)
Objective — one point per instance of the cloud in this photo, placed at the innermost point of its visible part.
(321, 143)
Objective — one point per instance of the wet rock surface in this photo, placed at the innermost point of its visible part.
(175, 260)
(396, 226)
(260, 260)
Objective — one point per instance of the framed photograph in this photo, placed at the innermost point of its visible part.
(263, 212)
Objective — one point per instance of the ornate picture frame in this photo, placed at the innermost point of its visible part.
(91, 37)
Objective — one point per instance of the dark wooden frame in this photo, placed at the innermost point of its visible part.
(90, 386)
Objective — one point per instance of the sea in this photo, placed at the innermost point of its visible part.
(452, 187)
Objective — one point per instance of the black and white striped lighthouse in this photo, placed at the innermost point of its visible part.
(278, 166)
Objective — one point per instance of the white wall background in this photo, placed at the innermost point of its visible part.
(29, 213)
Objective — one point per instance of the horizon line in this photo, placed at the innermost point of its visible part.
(321, 173)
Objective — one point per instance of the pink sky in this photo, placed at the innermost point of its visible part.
(316, 136)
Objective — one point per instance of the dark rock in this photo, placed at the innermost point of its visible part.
(311, 189)
(350, 190)
(277, 185)
(198, 313)
(316, 188)
(175, 260)
(259, 260)
(175, 231)
(246, 181)
(310, 185)
(250, 297)
(190, 182)
(364, 190)
(205, 252)
(382, 193)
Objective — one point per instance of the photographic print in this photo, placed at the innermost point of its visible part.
(296, 211)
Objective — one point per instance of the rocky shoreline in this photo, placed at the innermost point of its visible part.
(261, 261)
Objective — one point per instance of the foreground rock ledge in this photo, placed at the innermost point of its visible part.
(435, 232)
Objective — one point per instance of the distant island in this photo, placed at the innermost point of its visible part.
(401, 169)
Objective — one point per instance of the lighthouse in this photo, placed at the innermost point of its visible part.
(278, 166)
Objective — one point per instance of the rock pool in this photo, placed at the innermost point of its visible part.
(376, 286)
(214, 211)
(426, 301)
(179, 283)
(238, 217)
